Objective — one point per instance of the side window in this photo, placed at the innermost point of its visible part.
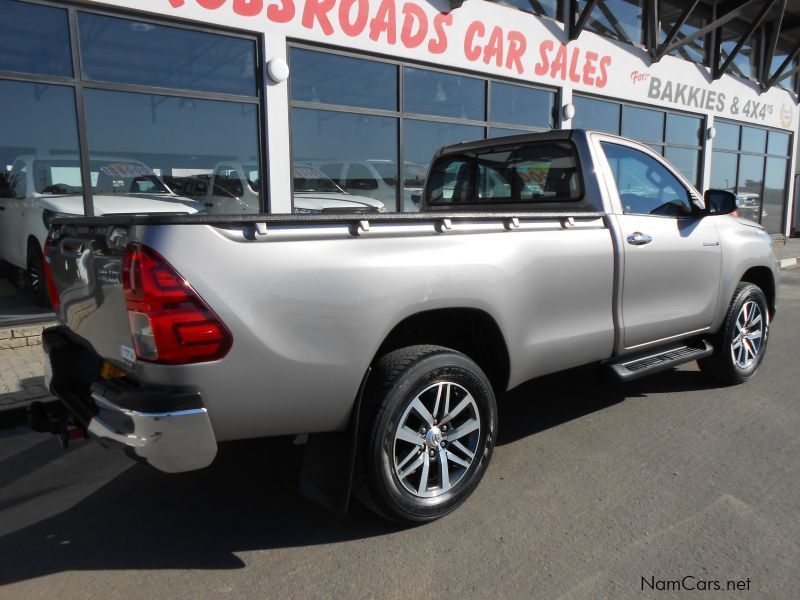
(227, 180)
(359, 177)
(646, 187)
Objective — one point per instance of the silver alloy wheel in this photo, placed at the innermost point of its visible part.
(749, 338)
(434, 444)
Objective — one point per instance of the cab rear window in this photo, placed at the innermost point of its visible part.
(538, 172)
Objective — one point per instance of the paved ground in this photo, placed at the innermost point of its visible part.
(593, 487)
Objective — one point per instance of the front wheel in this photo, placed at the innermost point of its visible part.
(742, 340)
(427, 433)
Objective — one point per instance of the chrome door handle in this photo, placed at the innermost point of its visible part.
(639, 239)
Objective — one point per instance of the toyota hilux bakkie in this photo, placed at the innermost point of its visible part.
(388, 337)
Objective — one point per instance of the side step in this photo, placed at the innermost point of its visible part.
(628, 368)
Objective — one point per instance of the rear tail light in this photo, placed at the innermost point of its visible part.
(170, 323)
(48, 276)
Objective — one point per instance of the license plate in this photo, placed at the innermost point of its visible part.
(109, 371)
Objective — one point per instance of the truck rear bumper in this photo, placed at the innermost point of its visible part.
(168, 428)
(172, 442)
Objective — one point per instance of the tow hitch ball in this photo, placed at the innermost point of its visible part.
(54, 418)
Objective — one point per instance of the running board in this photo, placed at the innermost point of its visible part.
(628, 368)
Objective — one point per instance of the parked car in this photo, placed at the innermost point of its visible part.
(41, 188)
(388, 337)
(234, 188)
(376, 178)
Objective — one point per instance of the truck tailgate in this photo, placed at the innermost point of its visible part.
(86, 266)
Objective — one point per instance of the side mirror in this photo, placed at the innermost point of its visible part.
(719, 202)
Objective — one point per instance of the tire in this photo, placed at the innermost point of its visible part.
(35, 276)
(736, 359)
(407, 391)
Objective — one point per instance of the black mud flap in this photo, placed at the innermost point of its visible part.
(327, 476)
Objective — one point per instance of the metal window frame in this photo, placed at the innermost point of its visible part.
(79, 85)
(400, 113)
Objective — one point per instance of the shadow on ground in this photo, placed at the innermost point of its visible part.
(247, 499)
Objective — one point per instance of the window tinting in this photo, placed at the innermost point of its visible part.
(645, 186)
(684, 130)
(518, 105)
(422, 140)
(444, 94)
(127, 51)
(44, 127)
(353, 145)
(727, 136)
(754, 139)
(591, 113)
(774, 193)
(642, 124)
(34, 39)
(333, 79)
(778, 143)
(548, 8)
(165, 137)
(535, 172)
(618, 19)
(670, 12)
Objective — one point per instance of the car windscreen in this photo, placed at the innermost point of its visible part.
(308, 179)
(530, 172)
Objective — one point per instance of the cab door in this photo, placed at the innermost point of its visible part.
(671, 261)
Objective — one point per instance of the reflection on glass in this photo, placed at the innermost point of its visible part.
(642, 124)
(505, 131)
(778, 143)
(687, 161)
(160, 158)
(333, 79)
(40, 179)
(422, 140)
(670, 12)
(774, 194)
(754, 139)
(358, 153)
(618, 19)
(522, 105)
(548, 8)
(126, 51)
(748, 186)
(744, 63)
(595, 114)
(34, 39)
(684, 130)
(727, 136)
(723, 171)
(444, 94)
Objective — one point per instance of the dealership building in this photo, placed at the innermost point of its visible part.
(236, 106)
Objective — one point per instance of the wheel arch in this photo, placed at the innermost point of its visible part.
(764, 279)
(471, 331)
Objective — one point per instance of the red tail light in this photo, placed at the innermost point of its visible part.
(48, 276)
(170, 323)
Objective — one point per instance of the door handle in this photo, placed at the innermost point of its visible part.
(639, 239)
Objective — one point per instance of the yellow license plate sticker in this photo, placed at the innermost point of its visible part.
(109, 371)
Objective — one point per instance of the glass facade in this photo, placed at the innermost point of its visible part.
(618, 19)
(353, 143)
(753, 163)
(170, 119)
(676, 136)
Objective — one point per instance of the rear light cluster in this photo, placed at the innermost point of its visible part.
(170, 323)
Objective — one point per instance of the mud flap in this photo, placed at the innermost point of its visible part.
(327, 476)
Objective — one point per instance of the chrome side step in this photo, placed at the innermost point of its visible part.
(628, 368)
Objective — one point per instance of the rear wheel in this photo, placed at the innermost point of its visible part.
(37, 284)
(742, 340)
(427, 435)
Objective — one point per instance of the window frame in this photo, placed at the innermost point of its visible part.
(78, 84)
(401, 115)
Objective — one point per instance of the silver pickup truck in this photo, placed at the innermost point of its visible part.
(388, 338)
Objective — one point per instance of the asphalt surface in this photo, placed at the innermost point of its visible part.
(594, 486)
